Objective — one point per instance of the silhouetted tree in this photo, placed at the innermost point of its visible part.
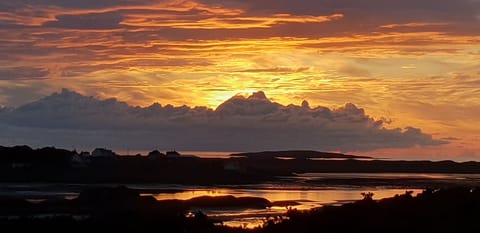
(368, 196)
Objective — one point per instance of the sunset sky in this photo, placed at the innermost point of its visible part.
(410, 63)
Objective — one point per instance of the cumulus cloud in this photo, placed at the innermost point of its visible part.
(239, 124)
(18, 92)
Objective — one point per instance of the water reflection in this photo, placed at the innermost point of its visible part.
(298, 189)
(315, 197)
(307, 199)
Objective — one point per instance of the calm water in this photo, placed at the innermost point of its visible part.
(296, 189)
(307, 199)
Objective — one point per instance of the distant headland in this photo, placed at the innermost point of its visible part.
(298, 154)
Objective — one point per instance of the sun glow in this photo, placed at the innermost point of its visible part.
(215, 98)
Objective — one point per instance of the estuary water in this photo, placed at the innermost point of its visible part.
(304, 199)
(304, 191)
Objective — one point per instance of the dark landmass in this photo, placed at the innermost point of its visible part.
(395, 182)
(51, 165)
(433, 210)
(297, 154)
(123, 209)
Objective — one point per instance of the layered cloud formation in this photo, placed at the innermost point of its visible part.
(239, 124)
(414, 62)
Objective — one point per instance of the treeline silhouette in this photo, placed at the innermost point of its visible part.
(123, 209)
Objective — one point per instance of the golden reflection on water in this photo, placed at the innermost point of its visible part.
(307, 199)
(317, 197)
(188, 194)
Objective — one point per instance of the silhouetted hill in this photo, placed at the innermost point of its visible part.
(298, 154)
(27, 157)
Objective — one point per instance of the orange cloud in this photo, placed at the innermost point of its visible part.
(30, 15)
(242, 22)
(414, 25)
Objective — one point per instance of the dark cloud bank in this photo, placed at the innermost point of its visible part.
(68, 119)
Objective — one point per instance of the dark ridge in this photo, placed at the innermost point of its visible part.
(298, 154)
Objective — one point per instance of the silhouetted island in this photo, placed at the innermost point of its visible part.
(298, 154)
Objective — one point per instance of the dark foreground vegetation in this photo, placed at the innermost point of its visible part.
(444, 210)
(122, 209)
